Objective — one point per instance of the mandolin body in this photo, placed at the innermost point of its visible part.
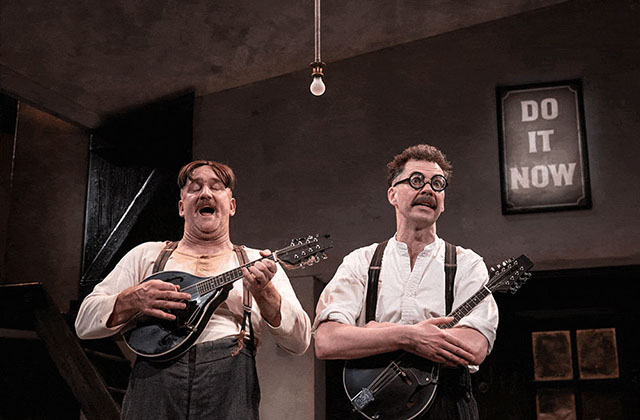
(395, 385)
(161, 340)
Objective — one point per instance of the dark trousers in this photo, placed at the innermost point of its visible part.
(454, 399)
(206, 382)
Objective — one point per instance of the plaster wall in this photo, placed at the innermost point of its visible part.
(316, 165)
(45, 220)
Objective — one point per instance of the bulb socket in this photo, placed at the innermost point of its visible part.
(317, 68)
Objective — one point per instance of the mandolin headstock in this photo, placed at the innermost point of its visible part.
(510, 275)
(305, 251)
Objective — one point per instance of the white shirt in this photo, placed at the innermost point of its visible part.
(293, 334)
(407, 296)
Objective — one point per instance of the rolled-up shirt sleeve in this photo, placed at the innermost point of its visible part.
(342, 299)
(294, 332)
(97, 307)
(484, 317)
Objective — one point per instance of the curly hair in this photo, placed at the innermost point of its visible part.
(418, 152)
(224, 172)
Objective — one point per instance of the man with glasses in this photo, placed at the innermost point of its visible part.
(354, 320)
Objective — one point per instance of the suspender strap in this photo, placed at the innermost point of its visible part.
(374, 275)
(450, 266)
(164, 255)
(244, 259)
(246, 303)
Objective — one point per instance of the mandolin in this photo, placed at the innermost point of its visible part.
(157, 339)
(402, 385)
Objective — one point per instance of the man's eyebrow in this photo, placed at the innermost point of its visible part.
(201, 180)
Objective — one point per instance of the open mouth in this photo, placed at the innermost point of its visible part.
(205, 211)
(425, 203)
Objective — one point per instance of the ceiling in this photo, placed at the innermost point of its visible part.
(86, 59)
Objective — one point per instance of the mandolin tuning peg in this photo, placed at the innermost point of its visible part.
(324, 256)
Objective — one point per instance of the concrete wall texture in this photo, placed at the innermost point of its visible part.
(317, 164)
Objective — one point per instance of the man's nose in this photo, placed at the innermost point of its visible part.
(427, 189)
(206, 192)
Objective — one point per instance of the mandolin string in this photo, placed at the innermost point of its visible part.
(385, 380)
(382, 380)
(219, 276)
(388, 375)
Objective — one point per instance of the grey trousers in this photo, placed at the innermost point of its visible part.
(454, 399)
(206, 382)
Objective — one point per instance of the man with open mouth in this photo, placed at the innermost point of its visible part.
(215, 378)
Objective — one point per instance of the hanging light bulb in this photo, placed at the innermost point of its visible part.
(317, 84)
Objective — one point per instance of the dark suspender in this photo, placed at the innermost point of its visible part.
(164, 255)
(450, 266)
(374, 274)
(371, 301)
(168, 249)
(246, 302)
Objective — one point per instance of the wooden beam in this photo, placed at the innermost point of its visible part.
(94, 272)
(73, 364)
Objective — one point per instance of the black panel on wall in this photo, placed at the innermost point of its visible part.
(564, 300)
(8, 113)
(132, 195)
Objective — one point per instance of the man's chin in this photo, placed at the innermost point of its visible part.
(211, 229)
(426, 214)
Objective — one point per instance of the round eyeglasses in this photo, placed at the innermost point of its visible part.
(417, 181)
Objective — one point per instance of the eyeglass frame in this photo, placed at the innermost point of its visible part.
(421, 177)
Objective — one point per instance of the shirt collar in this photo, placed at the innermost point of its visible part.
(401, 246)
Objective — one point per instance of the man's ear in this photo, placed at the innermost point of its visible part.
(391, 196)
(232, 206)
(181, 208)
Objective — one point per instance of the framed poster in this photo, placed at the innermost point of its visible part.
(552, 359)
(597, 353)
(543, 148)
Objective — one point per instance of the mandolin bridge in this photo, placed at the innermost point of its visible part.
(362, 399)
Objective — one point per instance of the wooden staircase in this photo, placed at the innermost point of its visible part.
(95, 370)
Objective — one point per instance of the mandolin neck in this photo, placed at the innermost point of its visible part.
(464, 309)
(210, 284)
